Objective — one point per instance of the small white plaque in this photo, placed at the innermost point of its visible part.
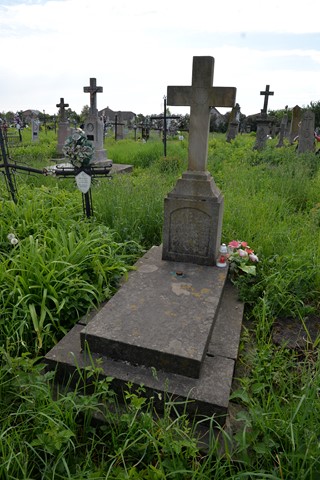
(83, 182)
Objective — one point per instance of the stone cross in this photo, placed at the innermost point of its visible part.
(201, 96)
(93, 90)
(266, 94)
(62, 106)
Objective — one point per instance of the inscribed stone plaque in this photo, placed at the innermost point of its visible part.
(197, 240)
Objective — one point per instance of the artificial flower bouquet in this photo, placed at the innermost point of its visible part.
(241, 258)
(78, 149)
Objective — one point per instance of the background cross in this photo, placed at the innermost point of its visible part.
(93, 90)
(62, 106)
(266, 94)
(201, 96)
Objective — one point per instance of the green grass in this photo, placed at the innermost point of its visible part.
(64, 265)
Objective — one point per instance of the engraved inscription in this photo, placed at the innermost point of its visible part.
(195, 241)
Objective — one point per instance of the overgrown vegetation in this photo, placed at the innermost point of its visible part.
(62, 265)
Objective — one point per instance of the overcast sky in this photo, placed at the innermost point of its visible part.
(136, 48)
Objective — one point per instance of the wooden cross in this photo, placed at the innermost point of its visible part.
(62, 106)
(201, 96)
(93, 90)
(266, 94)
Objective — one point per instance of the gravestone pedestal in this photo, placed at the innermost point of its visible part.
(63, 133)
(263, 130)
(193, 214)
(94, 132)
(232, 131)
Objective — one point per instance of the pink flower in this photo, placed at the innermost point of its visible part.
(253, 257)
(234, 244)
(244, 244)
(242, 253)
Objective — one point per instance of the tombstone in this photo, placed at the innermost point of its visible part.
(234, 121)
(263, 122)
(94, 127)
(35, 125)
(296, 119)
(63, 125)
(283, 128)
(173, 327)
(118, 128)
(306, 133)
(193, 210)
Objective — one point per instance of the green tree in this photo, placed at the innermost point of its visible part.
(84, 113)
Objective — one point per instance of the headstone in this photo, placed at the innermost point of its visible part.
(63, 126)
(174, 326)
(263, 122)
(296, 119)
(263, 131)
(306, 133)
(193, 210)
(283, 128)
(35, 125)
(94, 127)
(234, 122)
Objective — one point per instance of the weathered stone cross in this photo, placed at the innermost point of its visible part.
(93, 90)
(201, 95)
(266, 94)
(62, 106)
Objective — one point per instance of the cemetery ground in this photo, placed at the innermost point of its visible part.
(56, 266)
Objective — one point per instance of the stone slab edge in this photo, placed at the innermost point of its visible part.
(208, 395)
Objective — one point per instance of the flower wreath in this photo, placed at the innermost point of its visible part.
(78, 149)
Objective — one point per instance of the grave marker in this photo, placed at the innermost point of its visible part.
(266, 93)
(165, 117)
(63, 126)
(93, 126)
(173, 328)
(283, 127)
(296, 119)
(234, 122)
(35, 124)
(193, 210)
(306, 133)
(263, 122)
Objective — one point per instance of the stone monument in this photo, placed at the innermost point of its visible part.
(63, 125)
(173, 326)
(35, 127)
(234, 122)
(306, 133)
(193, 210)
(263, 122)
(296, 119)
(94, 126)
(283, 128)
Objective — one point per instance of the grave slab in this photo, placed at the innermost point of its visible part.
(201, 290)
(162, 317)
